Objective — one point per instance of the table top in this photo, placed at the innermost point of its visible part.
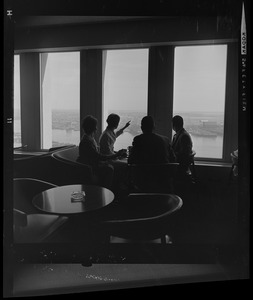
(58, 199)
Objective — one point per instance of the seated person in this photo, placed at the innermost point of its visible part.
(182, 144)
(108, 137)
(149, 147)
(153, 152)
(106, 142)
(89, 153)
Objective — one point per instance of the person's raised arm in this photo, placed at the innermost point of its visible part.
(119, 132)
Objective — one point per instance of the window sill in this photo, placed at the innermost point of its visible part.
(26, 154)
(213, 164)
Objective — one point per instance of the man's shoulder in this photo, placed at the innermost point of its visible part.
(138, 137)
(163, 138)
(106, 134)
(146, 137)
(153, 138)
(185, 133)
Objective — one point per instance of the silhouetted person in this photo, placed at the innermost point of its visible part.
(89, 153)
(106, 142)
(181, 144)
(149, 147)
(109, 136)
(151, 154)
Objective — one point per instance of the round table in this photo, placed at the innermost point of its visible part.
(57, 200)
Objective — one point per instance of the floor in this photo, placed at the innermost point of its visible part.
(204, 248)
(51, 279)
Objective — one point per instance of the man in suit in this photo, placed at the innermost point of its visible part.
(181, 144)
(151, 152)
(149, 147)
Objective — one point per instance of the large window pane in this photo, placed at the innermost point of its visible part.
(17, 115)
(125, 90)
(60, 78)
(199, 95)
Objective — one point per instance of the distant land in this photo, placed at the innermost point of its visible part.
(197, 123)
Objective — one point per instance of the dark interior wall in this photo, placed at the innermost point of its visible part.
(213, 173)
(160, 91)
(128, 34)
(231, 102)
(91, 86)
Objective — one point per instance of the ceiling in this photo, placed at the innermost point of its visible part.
(41, 21)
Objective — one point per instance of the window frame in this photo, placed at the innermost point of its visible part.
(18, 67)
(210, 159)
(104, 116)
(160, 87)
(43, 64)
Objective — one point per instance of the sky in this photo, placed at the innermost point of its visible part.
(199, 79)
(16, 82)
(61, 84)
(126, 79)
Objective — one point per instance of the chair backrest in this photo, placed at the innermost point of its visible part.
(56, 166)
(153, 177)
(24, 189)
(36, 228)
(65, 162)
(19, 218)
(69, 154)
(53, 149)
(143, 216)
(29, 165)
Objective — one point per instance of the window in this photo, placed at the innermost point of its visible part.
(125, 90)
(199, 96)
(60, 99)
(17, 114)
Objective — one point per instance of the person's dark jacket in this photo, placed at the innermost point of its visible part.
(151, 148)
(182, 146)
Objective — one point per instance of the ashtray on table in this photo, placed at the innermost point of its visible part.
(78, 196)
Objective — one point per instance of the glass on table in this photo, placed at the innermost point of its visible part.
(129, 148)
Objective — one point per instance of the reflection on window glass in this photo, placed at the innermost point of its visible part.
(60, 80)
(199, 95)
(17, 115)
(125, 90)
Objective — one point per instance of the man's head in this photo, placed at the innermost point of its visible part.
(177, 123)
(89, 124)
(147, 124)
(113, 120)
